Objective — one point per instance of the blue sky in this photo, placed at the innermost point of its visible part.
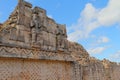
(93, 23)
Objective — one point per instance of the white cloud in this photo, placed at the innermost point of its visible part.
(110, 14)
(92, 18)
(96, 50)
(96, 47)
(97, 41)
(86, 23)
(50, 16)
(115, 56)
(103, 39)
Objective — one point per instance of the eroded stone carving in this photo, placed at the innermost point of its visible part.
(30, 34)
(34, 26)
(40, 30)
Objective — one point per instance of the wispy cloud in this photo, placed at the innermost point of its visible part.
(103, 39)
(50, 16)
(115, 56)
(96, 50)
(96, 47)
(92, 18)
(99, 40)
(85, 24)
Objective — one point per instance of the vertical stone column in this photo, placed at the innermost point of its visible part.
(20, 20)
(21, 12)
(77, 71)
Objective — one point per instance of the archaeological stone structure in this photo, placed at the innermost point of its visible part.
(35, 47)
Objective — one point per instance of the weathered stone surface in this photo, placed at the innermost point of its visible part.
(0, 25)
(35, 70)
(35, 47)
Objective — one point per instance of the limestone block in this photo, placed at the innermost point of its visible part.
(21, 36)
(40, 38)
(27, 37)
(41, 16)
(20, 33)
(27, 17)
(66, 43)
(45, 37)
(62, 30)
(13, 35)
(21, 13)
(62, 43)
(71, 46)
(38, 9)
(27, 4)
(13, 20)
(52, 26)
(30, 35)
(52, 40)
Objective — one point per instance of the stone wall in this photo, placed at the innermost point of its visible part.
(101, 70)
(35, 47)
(22, 69)
(31, 27)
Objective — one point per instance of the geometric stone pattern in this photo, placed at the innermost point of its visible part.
(31, 27)
(35, 47)
(35, 70)
(97, 70)
(33, 54)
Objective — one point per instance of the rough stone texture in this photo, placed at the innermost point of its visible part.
(21, 69)
(35, 47)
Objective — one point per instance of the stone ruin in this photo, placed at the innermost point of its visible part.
(35, 47)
